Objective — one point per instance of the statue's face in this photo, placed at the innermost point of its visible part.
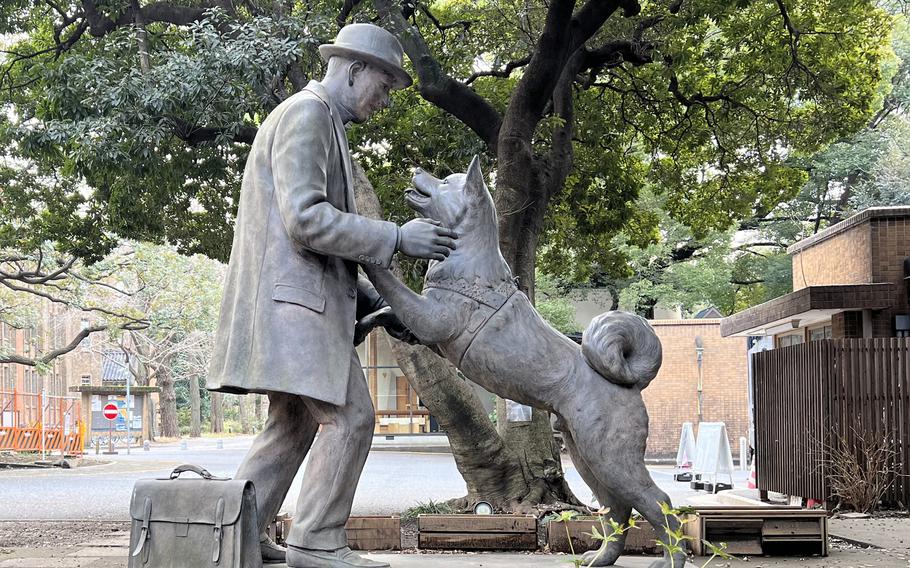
(370, 92)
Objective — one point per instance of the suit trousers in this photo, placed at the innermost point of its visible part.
(336, 461)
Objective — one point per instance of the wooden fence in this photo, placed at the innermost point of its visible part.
(808, 396)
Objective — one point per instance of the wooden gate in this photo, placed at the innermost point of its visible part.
(808, 395)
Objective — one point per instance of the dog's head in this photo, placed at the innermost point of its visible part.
(460, 201)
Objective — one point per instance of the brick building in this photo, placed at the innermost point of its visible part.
(673, 396)
(849, 281)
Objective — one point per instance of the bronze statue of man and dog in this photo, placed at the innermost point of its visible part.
(293, 294)
(472, 313)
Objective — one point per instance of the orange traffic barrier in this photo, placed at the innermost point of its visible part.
(20, 423)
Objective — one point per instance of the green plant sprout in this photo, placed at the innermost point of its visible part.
(676, 539)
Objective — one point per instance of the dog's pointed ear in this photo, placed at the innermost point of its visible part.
(475, 176)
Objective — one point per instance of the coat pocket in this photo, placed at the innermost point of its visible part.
(299, 296)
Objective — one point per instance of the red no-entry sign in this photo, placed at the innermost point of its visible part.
(110, 411)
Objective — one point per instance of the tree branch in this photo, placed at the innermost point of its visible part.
(592, 16)
(196, 135)
(465, 24)
(165, 12)
(53, 354)
(438, 88)
(503, 72)
(562, 35)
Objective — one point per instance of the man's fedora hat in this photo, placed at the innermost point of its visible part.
(371, 44)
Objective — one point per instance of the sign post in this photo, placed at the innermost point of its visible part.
(110, 411)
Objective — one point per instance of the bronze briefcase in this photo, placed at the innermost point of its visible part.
(193, 523)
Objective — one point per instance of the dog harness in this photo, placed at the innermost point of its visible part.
(488, 301)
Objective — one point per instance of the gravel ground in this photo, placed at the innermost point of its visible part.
(42, 534)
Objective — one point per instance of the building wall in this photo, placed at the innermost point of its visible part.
(56, 327)
(671, 398)
(870, 247)
(890, 237)
(845, 258)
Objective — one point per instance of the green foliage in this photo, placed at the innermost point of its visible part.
(105, 146)
(101, 143)
(427, 508)
(556, 309)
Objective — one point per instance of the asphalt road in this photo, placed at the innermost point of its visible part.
(391, 481)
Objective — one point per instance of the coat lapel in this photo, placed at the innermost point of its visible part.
(341, 139)
(346, 165)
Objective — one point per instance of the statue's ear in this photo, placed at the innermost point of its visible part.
(474, 182)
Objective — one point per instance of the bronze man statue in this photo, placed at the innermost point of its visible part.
(292, 296)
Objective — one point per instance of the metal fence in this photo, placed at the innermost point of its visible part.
(35, 423)
(809, 396)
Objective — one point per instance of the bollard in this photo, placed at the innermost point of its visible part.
(182, 444)
(97, 446)
(220, 444)
(145, 446)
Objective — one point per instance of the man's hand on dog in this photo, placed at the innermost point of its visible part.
(426, 238)
(383, 318)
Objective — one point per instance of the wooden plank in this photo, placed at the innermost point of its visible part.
(477, 523)
(728, 525)
(904, 417)
(640, 540)
(477, 541)
(779, 527)
(694, 528)
(734, 508)
(374, 533)
(888, 352)
(371, 522)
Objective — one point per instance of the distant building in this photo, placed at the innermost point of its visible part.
(849, 281)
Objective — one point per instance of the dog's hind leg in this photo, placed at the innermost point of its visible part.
(619, 511)
(614, 455)
(634, 483)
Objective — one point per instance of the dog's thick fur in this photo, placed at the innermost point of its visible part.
(472, 313)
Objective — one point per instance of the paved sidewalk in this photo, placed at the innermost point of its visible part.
(112, 553)
(891, 536)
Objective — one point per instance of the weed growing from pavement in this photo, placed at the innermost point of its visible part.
(612, 530)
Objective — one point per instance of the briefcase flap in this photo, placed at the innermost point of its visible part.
(189, 500)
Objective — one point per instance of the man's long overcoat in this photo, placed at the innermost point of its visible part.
(288, 312)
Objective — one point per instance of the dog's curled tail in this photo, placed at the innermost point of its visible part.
(622, 348)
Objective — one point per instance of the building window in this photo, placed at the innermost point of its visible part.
(8, 382)
(792, 339)
(823, 332)
(85, 380)
(32, 382)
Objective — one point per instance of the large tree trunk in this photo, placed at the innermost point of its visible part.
(243, 413)
(195, 408)
(521, 204)
(257, 410)
(217, 412)
(511, 477)
(167, 403)
(490, 468)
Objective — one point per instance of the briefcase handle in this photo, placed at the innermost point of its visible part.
(195, 469)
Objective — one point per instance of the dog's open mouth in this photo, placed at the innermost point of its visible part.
(415, 197)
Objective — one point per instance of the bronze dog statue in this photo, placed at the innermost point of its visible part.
(473, 314)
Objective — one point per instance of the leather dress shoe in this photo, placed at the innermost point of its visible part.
(272, 553)
(340, 558)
